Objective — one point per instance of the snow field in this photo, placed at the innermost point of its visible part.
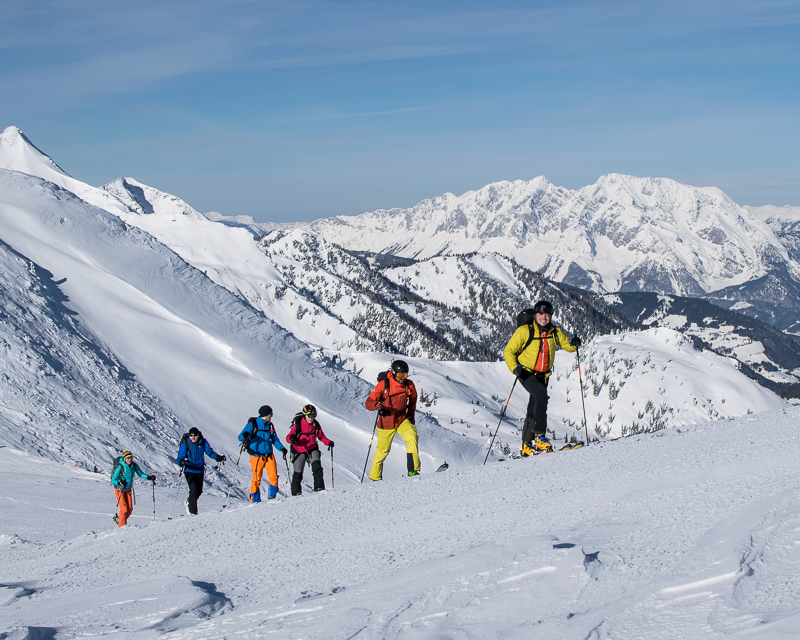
(691, 533)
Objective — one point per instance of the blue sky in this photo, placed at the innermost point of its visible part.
(300, 110)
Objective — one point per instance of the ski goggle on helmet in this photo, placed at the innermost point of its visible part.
(310, 411)
(400, 369)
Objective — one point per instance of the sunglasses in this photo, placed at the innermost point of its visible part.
(128, 458)
(401, 376)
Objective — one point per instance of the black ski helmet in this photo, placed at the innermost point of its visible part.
(265, 411)
(400, 366)
(309, 411)
(543, 306)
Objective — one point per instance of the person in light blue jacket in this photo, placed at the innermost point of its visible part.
(258, 437)
(122, 481)
(192, 459)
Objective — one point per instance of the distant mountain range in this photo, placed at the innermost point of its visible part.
(622, 233)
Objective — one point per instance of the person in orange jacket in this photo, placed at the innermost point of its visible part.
(395, 400)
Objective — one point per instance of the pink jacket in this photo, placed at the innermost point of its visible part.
(303, 435)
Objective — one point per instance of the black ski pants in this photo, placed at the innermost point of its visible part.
(195, 482)
(299, 462)
(536, 415)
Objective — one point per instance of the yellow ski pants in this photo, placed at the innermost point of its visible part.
(408, 432)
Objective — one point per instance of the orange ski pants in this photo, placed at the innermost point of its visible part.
(259, 464)
(125, 503)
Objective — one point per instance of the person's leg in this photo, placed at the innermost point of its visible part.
(195, 482)
(297, 474)
(316, 470)
(540, 406)
(408, 432)
(385, 437)
(257, 465)
(272, 476)
(125, 506)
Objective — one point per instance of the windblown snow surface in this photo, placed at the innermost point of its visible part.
(688, 533)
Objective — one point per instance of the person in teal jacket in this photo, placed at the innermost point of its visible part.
(258, 437)
(122, 481)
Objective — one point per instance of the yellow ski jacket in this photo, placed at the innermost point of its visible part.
(544, 343)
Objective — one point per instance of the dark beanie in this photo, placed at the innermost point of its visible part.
(264, 411)
(194, 431)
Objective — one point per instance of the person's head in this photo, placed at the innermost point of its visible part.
(127, 457)
(543, 311)
(400, 370)
(265, 412)
(310, 412)
(194, 434)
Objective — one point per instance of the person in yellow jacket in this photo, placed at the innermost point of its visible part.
(529, 355)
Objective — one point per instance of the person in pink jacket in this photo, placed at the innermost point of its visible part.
(303, 438)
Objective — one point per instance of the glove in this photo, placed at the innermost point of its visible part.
(519, 371)
(292, 438)
(246, 440)
(330, 446)
(284, 454)
(183, 462)
(379, 405)
(151, 478)
(221, 458)
(575, 342)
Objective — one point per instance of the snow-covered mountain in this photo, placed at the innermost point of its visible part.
(622, 233)
(207, 356)
(765, 354)
(348, 307)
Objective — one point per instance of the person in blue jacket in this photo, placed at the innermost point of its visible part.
(191, 457)
(258, 438)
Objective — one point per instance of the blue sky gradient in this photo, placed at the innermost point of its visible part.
(295, 111)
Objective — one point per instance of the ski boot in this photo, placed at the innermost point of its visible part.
(541, 444)
(527, 449)
(413, 473)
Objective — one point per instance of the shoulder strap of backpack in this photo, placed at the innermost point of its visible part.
(528, 343)
(254, 422)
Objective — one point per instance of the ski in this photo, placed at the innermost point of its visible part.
(443, 467)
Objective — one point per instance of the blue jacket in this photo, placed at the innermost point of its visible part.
(122, 477)
(195, 454)
(265, 437)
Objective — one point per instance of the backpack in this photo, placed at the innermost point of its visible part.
(297, 422)
(117, 463)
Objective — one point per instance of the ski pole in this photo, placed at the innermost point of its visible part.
(502, 415)
(583, 403)
(154, 499)
(333, 484)
(374, 429)
(236, 468)
(180, 475)
(288, 478)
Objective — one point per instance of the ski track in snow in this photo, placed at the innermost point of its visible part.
(688, 533)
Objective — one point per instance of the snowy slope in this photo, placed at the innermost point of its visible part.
(63, 394)
(208, 356)
(690, 533)
(19, 154)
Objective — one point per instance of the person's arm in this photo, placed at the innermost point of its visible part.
(182, 453)
(411, 410)
(116, 481)
(138, 471)
(375, 398)
(278, 444)
(565, 341)
(209, 451)
(325, 440)
(515, 344)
